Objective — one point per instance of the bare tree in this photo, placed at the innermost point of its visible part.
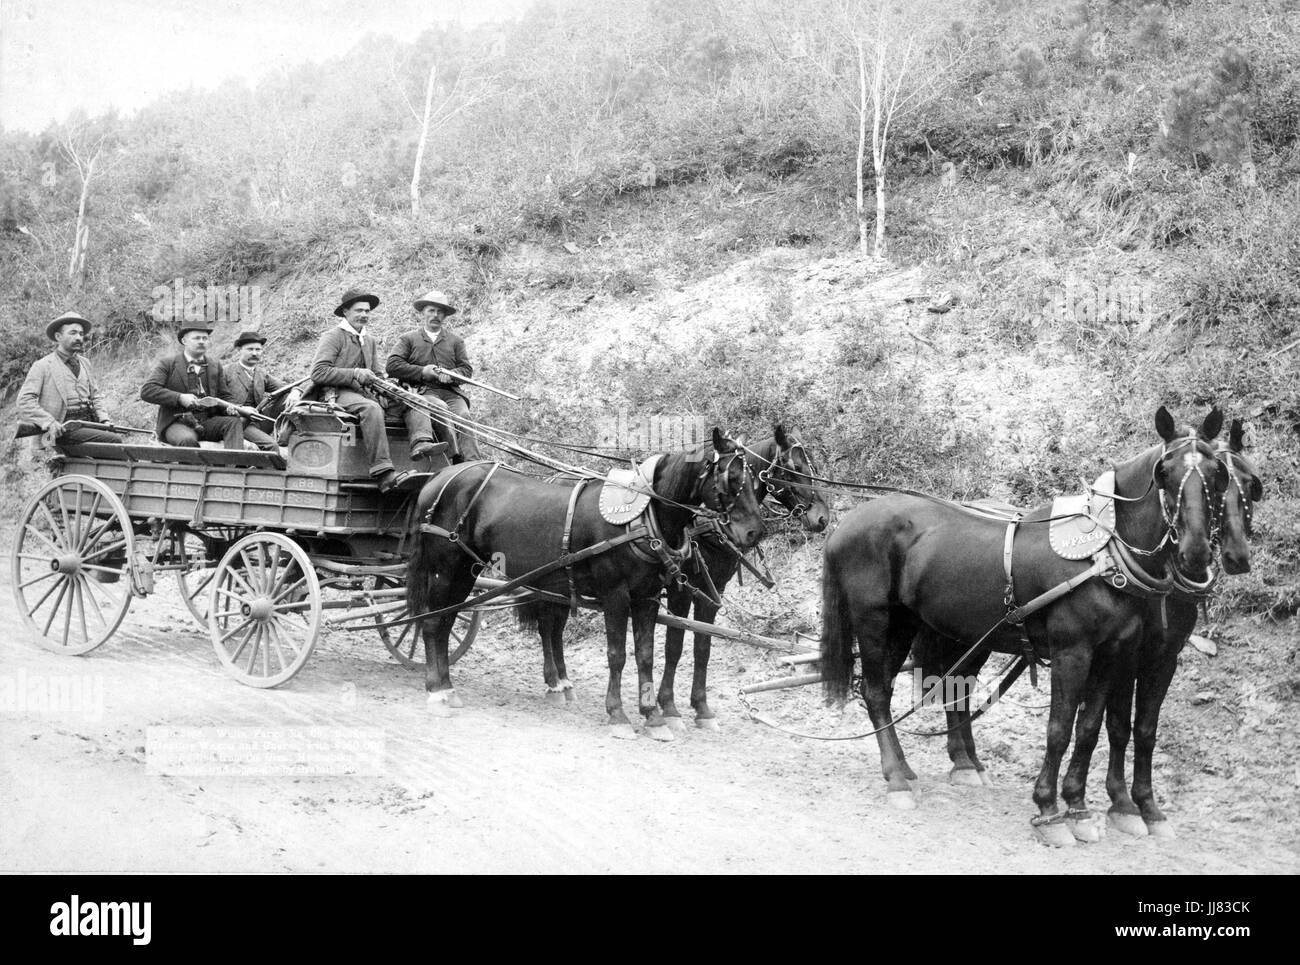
(469, 88)
(902, 58)
(84, 150)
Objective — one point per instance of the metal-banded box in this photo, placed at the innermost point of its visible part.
(321, 443)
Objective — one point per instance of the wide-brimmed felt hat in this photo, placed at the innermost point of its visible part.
(246, 337)
(354, 295)
(193, 327)
(434, 298)
(52, 329)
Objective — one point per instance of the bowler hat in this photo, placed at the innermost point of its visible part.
(52, 329)
(354, 295)
(246, 337)
(434, 298)
(193, 327)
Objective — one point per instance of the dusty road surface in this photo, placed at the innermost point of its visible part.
(513, 782)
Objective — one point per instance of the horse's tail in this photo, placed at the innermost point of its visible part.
(527, 614)
(420, 569)
(837, 636)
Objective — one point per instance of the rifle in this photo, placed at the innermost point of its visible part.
(26, 428)
(475, 382)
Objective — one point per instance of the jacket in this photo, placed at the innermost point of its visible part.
(246, 389)
(339, 355)
(415, 349)
(50, 391)
(170, 378)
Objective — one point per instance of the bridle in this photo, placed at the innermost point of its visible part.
(779, 478)
(1191, 460)
(1225, 455)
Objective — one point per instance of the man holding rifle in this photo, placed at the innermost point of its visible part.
(59, 388)
(432, 360)
(194, 402)
(251, 386)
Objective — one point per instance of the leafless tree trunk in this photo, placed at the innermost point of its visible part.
(81, 241)
(424, 139)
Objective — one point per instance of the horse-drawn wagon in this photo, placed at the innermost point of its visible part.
(266, 547)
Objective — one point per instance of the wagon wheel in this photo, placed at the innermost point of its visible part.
(265, 609)
(196, 552)
(71, 564)
(405, 642)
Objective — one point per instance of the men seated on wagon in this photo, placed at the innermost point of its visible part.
(250, 385)
(193, 399)
(346, 363)
(60, 388)
(428, 358)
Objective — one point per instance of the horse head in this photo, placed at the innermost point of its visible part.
(787, 478)
(1244, 490)
(726, 486)
(1190, 482)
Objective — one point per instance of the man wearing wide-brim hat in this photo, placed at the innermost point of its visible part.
(429, 359)
(189, 388)
(60, 388)
(347, 360)
(252, 387)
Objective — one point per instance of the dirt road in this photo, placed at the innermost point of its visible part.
(513, 782)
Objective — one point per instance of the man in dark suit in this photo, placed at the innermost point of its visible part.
(347, 361)
(179, 386)
(250, 385)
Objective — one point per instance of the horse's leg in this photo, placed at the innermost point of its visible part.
(616, 606)
(643, 636)
(704, 716)
(878, 630)
(444, 591)
(1069, 677)
(679, 604)
(1152, 685)
(1123, 815)
(967, 769)
(557, 682)
(1087, 730)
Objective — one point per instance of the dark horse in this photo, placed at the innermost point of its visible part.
(1151, 667)
(782, 470)
(901, 563)
(522, 521)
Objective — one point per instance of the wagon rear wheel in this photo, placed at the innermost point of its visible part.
(406, 643)
(71, 564)
(265, 609)
(197, 553)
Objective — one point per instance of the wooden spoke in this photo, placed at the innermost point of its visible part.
(254, 638)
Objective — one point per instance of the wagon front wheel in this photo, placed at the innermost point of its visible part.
(71, 564)
(264, 614)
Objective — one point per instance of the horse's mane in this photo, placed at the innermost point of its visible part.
(674, 478)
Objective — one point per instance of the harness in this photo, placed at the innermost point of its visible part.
(645, 529)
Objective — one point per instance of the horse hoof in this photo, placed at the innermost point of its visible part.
(1084, 829)
(556, 696)
(1161, 829)
(660, 733)
(902, 800)
(439, 703)
(985, 779)
(965, 777)
(623, 732)
(707, 723)
(674, 723)
(1131, 824)
(1055, 835)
